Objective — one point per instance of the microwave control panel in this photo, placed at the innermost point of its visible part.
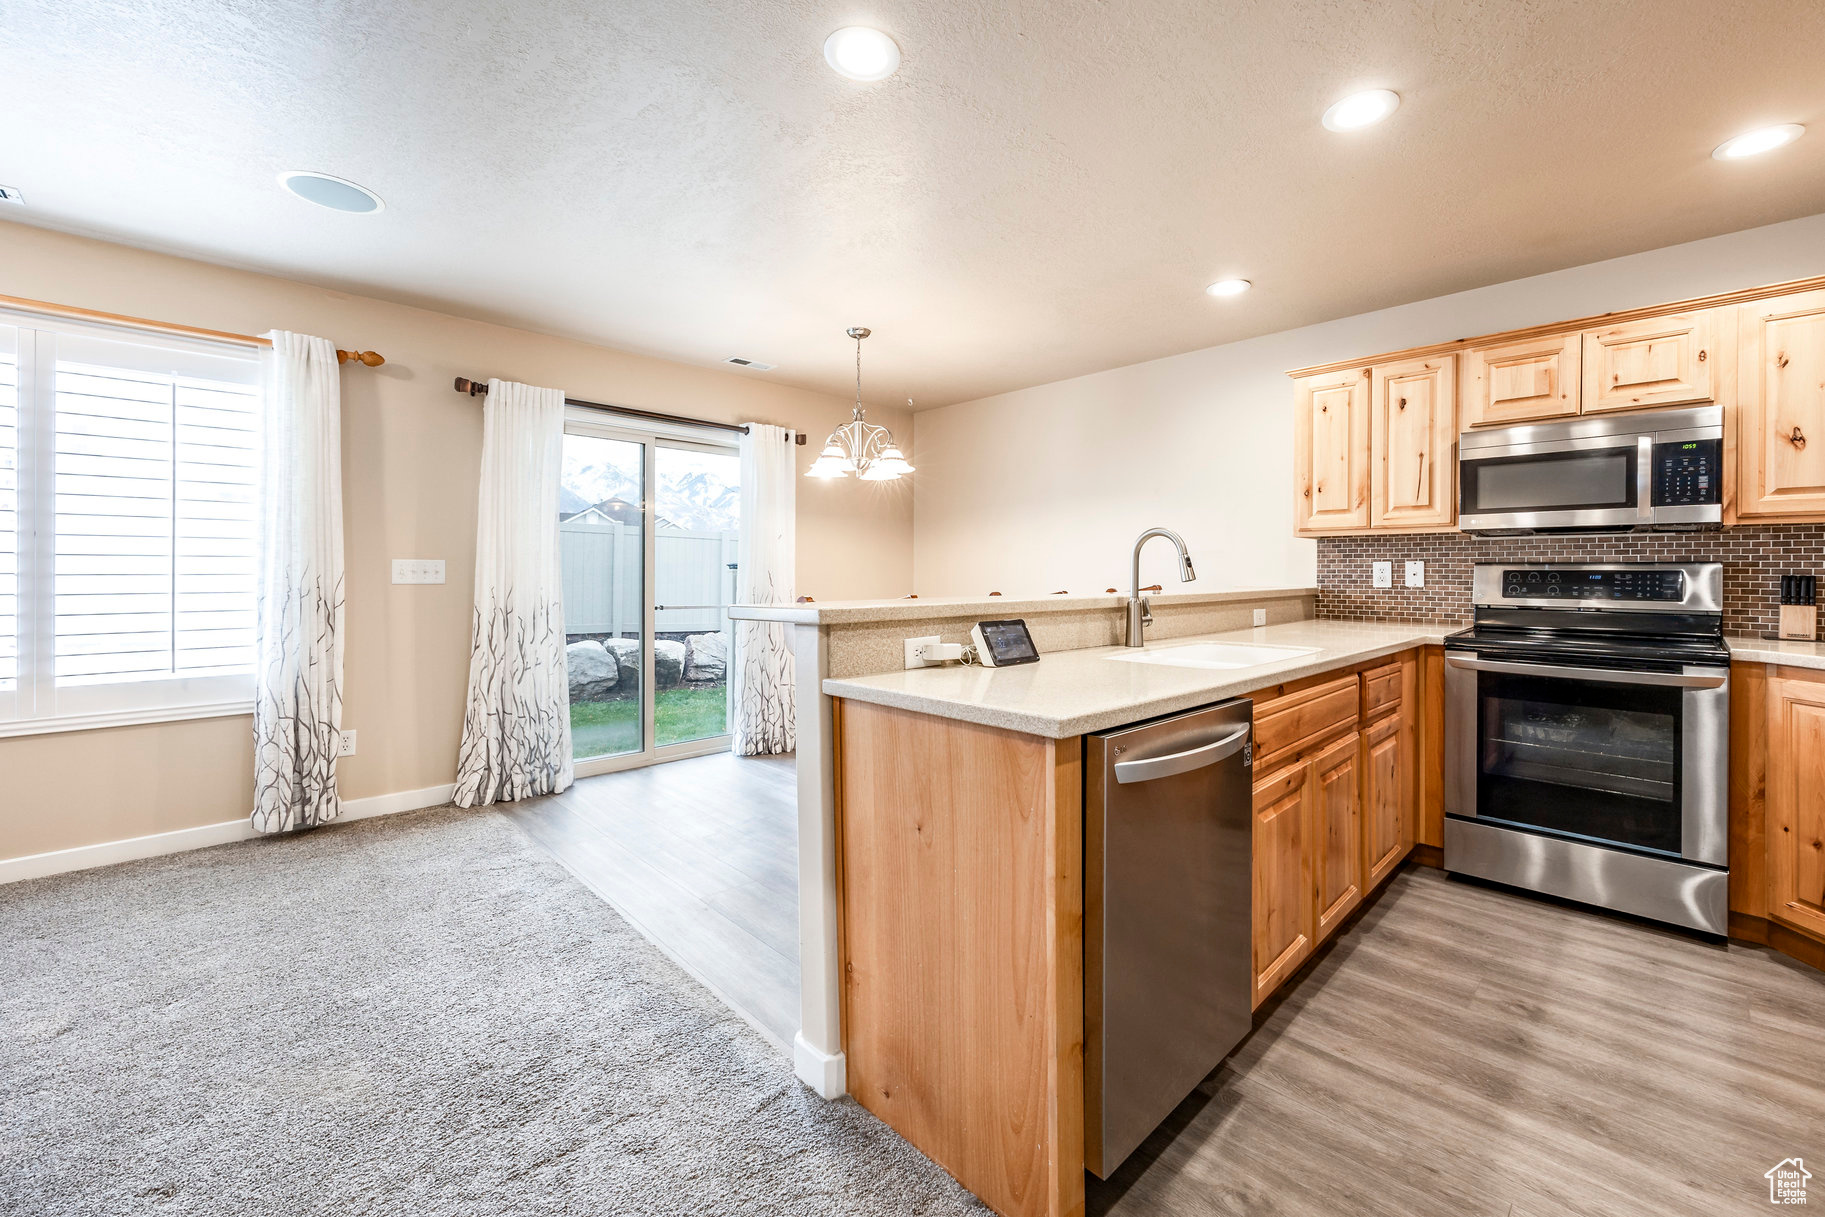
(1688, 473)
(1569, 583)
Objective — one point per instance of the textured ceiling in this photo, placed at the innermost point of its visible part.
(1043, 190)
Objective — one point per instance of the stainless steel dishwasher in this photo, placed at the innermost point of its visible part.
(1168, 829)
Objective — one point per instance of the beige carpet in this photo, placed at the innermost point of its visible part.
(413, 1015)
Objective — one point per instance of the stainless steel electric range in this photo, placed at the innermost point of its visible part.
(1587, 737)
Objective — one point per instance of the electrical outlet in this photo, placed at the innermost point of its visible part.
(1416, 574)
(418, 570)
(348, 744)
(1383, 574)
(1260, 616)
(912, 651)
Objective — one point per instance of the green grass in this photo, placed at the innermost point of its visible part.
(607, 728)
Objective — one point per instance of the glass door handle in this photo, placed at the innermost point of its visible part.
(1699, 678)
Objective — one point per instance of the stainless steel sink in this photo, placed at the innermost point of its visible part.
(1213, 655)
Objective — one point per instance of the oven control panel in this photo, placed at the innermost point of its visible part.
(1572, 583)
(1688, 473)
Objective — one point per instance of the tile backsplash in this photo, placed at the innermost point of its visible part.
(1754, 558)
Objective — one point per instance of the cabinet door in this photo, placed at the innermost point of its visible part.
(1781, 406)
(1331, 451)
(1413, 425)
(1520, 382)
(1660, 361)
(1384, 797)
(1337, 832)
(1283, 931)
(1796, 804)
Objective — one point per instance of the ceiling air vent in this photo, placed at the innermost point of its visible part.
(11, 194)
(754, 364)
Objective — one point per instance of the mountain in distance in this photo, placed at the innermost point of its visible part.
(694, 499)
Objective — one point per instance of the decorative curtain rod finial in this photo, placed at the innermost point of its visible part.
(372, 359)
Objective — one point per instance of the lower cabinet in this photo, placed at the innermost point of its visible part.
(1795, 823)
(1333, 806)
(1386, 833)
(1337, 839)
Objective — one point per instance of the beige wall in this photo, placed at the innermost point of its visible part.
(1045, 489)
(411, 451)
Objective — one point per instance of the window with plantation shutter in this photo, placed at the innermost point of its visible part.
(9, 515)
(133, 534)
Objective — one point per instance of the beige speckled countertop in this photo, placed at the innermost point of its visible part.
(1070, 692)
(1746, 648)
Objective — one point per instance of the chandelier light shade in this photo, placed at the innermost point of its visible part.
(858, 446)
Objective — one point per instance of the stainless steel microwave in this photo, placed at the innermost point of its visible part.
(1656, 469)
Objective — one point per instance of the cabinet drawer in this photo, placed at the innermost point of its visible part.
(1380, 690)
(1292, 724)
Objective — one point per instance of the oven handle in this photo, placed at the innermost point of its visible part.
(1612, 676)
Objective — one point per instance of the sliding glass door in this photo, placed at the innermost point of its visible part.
(648, 526)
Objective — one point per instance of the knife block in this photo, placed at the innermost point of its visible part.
(1800, 621)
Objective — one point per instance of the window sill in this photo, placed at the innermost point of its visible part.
(124, 718)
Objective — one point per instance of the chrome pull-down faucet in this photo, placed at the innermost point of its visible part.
(1139, 614)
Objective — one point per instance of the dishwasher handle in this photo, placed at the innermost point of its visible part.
(1146, 770)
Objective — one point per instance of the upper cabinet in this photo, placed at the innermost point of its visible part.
(1521, 382)
(1413, 428)
(1331, 451)
(1375, 441)
(1781, 406)
(1659, 361)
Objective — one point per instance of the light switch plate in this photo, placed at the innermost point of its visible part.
(1383, 574)
(1260, 616)
(418, 570)
(1416, 574)
(348, 744)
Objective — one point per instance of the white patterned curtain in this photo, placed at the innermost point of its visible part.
(516, 729)
(297, 721)
(763, 689)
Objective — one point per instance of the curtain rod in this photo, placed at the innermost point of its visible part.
(479, 388)
(369, 358)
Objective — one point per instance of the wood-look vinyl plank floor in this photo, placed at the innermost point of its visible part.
(701, 856)
(1464, 1050)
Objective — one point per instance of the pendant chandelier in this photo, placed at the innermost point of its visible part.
(858, 446)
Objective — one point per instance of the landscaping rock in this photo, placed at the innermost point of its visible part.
(668, 663)
(627, 655)
(706, 658)
(593, 671)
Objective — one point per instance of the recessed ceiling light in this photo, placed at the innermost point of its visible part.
(862, 54)
(1360, 110)
(337, 194)
(1229, 287)
(1762, 139)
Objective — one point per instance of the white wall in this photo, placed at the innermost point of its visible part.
(1045, 489)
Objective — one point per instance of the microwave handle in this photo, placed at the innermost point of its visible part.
(1644, 478)
(1611, 676)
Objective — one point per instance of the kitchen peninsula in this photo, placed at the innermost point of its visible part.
(955, 852)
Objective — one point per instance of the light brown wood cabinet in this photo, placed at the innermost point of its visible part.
(1386, 836)
(1337, 827)
(1780, 412)
(1413, 435)
(1332, 809)
(1796, 804)
(1285, 929)
(1520, 382)
(1657, 361)
(1331, 451)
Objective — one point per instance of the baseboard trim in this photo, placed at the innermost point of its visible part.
(826, 1074)
(182, 840)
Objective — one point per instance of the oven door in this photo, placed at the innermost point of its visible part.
(1596, 482)
(1624, 759)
